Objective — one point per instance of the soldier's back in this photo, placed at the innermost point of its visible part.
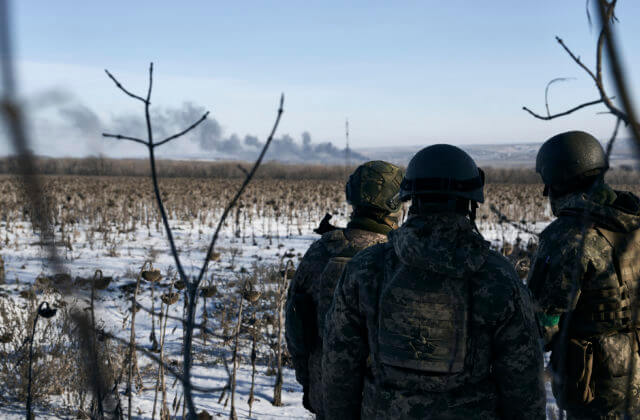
(450, 329)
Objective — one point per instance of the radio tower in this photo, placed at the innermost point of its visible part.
(347, 151)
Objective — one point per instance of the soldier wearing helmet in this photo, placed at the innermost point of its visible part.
(584, 278)
(433, 324)
(372, 190)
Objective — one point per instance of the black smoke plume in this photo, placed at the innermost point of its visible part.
(82, 122)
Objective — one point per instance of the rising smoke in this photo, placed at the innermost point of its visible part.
(82, 122)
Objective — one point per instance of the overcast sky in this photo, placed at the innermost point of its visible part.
(404, 73)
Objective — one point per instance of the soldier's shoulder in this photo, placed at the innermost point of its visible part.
(332, 236)
(562, 239)
(370, 258)
(561, 229)
(360, 238)
(334, 241)
(316, 256)
(317, 247)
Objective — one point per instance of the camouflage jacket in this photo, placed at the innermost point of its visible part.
(393, 351)
(304, 297)
(569, 268)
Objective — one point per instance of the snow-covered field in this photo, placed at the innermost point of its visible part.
(123, 258)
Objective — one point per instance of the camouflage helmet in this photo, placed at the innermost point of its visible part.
(375, 184)
(566, 157)
(443, 169)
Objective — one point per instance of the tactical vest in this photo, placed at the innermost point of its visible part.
(612, 307)
(423, 319)
(597, 367)
(330, 276)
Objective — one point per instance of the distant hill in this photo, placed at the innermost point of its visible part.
(497, 155)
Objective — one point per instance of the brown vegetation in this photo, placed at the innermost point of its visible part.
(101, 166)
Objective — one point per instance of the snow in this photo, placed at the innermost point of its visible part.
(122, 256)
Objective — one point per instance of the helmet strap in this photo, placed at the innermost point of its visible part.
(472, 216)
(473, 208)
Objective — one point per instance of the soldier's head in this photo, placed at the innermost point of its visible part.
(571, 162)
(441, 178)
(372, 190)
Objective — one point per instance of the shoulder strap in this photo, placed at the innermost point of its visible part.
(617, 240)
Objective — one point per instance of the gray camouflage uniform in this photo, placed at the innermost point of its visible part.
(394, 349)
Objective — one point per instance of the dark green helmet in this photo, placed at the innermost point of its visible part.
(375, 184)
(443, 169)
(566, 157)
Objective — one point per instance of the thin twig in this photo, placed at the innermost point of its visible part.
(242, 188)
(503, 218)
(596, 77)
(122, 88)
(121, 137)
(183, 132)
(562, 114)
(577, 59)
(618, 73)
(546, 90)
(154, 178)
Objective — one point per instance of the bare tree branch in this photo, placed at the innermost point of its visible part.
(122, 88)
(596, 77)
(546, 90)
(121, 137)
(154, 178)
(562, 114)
(148, 100)
(618, 73)
(193, 287)
(577, 59)
(233, 201)
(183, 132)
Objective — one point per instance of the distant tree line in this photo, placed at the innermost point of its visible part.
(101, 166)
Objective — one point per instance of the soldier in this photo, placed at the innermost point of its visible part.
(433, 324)
(584, 278)
(372, 190)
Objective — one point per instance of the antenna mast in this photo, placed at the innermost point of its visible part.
(347, 150)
